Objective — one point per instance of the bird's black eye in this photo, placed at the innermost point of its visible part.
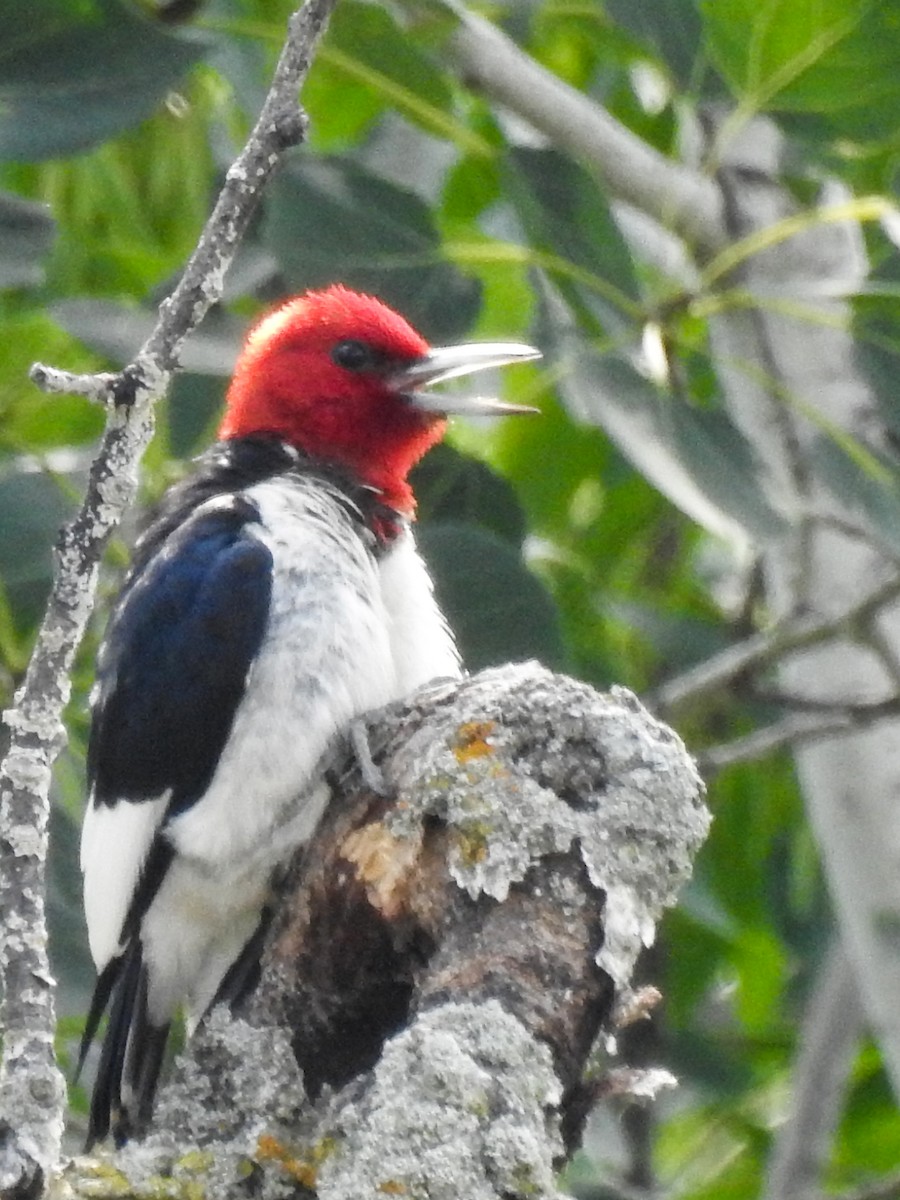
(355, 356)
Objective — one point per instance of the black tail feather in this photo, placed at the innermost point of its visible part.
(132, 1051)
(106, 1099)
(146, 1048)
(102, 989)
(133, 1047)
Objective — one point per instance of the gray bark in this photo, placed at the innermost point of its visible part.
(831, 1032)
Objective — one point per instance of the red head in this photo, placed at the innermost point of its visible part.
(335, 373)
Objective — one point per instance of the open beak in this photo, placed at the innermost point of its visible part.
(451, 362)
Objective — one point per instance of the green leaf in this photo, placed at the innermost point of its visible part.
(191, 408)
(567, 218)
(330, 220)
(671, 28)
(696, 457)
(832, 58)
(26, 234)
(870, 1133)
(876, 331)
(696, 950)
(117, 332)
(30, 420)
(472, 185)
(450, 486)
(76, 72)
(550, 459)
(760, 959)
(69, 955)
(34, 507)
(243, 60)
(499, 611)
(678, 639)
(754, 845)
(371, 63)
(873, 496)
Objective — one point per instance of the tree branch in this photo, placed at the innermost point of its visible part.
(445, 957)
(764, 649)
(678, 197)
(831, 1030)
(796, 729)
(32, 1090)
(854, 712)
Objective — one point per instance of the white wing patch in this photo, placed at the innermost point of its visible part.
(201, 919)
(115, 840)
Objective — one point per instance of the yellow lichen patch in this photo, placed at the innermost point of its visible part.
(161, 1187)
(382, 863)
(524, 1181)
(472, 842)
(101, 1179)
(392, 1187)
(300, 1165)
(473, 740)
(195, 1161)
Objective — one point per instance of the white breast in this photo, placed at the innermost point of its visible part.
(422, 645)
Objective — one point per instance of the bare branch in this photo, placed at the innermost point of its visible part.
(861, 712)
(782, 735)
(763, 649)
(32, 1090)
(679, 198)
(831, 1029)
(792, 731)
(95, 387)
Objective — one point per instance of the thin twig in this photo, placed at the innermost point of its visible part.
(793, 730)
(32, 1090)
(762, 649)
(861, 712)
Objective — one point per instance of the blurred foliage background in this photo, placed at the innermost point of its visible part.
(117, 123)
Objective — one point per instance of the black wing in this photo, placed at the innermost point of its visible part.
(174, 664)
(172, 672)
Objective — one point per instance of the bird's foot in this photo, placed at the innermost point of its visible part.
(372, 774)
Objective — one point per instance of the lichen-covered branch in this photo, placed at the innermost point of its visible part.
(444, 957)
(31, 1088)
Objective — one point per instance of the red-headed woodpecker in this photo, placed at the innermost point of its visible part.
(276, 597)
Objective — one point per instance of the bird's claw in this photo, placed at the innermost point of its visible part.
(372, 774)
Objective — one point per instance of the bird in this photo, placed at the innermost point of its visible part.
(275, 598)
